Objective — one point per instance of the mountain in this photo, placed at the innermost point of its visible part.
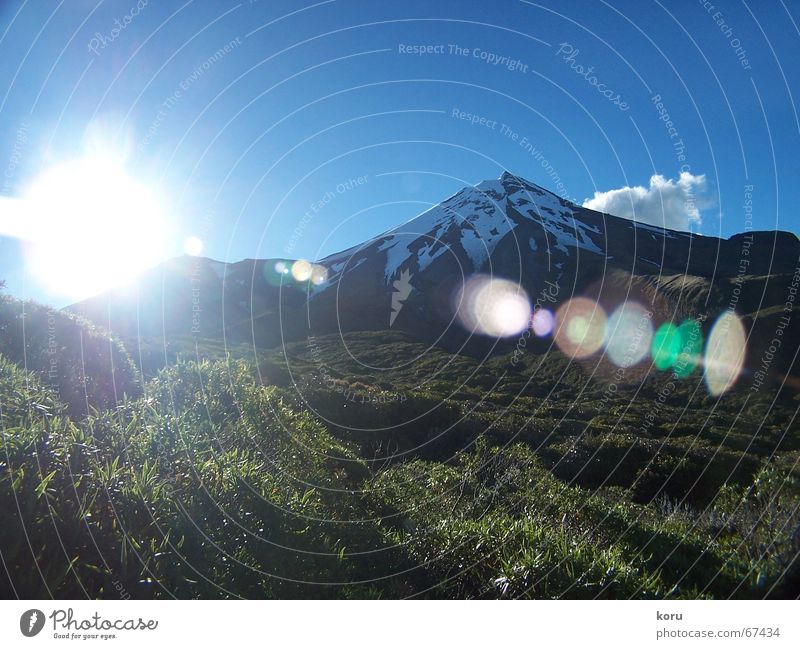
(411, 277)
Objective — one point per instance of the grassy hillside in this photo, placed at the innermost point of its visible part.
(83, 365)
(299, 475)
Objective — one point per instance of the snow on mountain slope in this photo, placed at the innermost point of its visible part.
(472, 223)
(477, 214)
(555, 215)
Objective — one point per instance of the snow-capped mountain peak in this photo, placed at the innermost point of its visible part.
(472, 223)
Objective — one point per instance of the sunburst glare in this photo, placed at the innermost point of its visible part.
(89, 226)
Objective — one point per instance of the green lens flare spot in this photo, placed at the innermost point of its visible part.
(691, 348)
(666, 346)
(277, 273)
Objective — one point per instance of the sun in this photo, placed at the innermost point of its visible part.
(90, 226)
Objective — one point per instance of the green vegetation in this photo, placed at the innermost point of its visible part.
(84, 366)
(299, 475)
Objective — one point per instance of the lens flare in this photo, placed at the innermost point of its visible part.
(319, 274)
(193, 246)
(581, 327)
(679, 348)
(301, 270)
(276, 274)
(493, 307)
(666, 346)
(724, 353)
(629, 334)
(691, 352)
(543, 322)
(90, 226)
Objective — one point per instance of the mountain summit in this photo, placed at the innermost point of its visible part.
(470, 225)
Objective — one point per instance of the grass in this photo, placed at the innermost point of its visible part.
(293, 473)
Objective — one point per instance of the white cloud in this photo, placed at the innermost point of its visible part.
(667, 203)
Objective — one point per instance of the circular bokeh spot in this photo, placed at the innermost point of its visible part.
(493, 307)
(691, 352)
(581, 327)
(724, 355)
(319, 274)
(277, 273)
(630, 334)
(193, 246)
(666, 346)
(543, 322)
(301, 270)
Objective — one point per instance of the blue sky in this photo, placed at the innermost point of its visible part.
(297, 129)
